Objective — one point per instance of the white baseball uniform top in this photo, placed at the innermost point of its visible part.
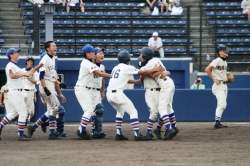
(4, 90)
(151, 63)
(219, 70)
(149, 82)
(26, 83)
(86, 75)
(97, 81)
(48, 67)
(155, 43)
(13, 83)
(120, 76)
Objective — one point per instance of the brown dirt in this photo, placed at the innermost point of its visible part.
(196, 144)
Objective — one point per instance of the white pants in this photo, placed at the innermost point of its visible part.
(84, 98)
(152, 100)
(7, 106)
(220, 91)
(121, 103)
(52, 100)
(17, 106)
(29, 101)
(161, 52)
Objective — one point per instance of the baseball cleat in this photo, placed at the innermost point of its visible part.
(176, 131)
(63, 134)
(169, 134)
(149, 137)
(23, 138)
(99, 136)
(54, 136)
(84, 135)
(218, 125)
(140, 138)
(120, 137)
(31, 130)
(44, 126)
(158, 133)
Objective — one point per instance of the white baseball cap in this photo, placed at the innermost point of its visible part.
(155, 34)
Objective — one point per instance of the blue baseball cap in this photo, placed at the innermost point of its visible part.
(42, 54)
(88, 48)
(97, 49)
(222, 47)
(12, 50)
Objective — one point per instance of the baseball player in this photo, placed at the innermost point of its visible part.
(15, 86)
(4, 98)
(217, 71)
(84, 88)
(29, 88)
(119, 77)
(166, 94)
(97, 97)
(48, 85)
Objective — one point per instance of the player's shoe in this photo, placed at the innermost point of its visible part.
(218, 125)
(169, 134)
(23, 138)
(120, 137)
(63, 134)
(158, 133)
(44, 126)
(176, 131)
(139, 138)
(31, 130)
(83, 135)
(54, 136)
(99, 135)
(149, 137)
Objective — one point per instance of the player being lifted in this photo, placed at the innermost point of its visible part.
(15, 87)
(121, 103)
(84, 88)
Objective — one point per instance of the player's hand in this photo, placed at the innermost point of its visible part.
(48, 93)
(103, 95)
(164, 74)
(157, 68)
(142, 78)
(35, 99)
(39, 66)
(63, 98)
(217, 82)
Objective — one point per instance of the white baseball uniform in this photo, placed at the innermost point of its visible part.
(16, 101)
(29, 89)
(50, 78)
(4, 91)
(219, 72)
(119, 78)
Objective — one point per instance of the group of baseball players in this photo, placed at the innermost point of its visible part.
(89, 91)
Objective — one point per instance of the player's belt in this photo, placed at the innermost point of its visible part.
(17, 89)
(155, 89)
(93, 88)
(29, 89)
(165, 79)
(6, 91)
(223, 82)
(114, 91)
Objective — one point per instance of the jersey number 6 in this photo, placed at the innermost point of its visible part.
(115, 74)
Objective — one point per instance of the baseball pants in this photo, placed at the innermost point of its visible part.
(29, 101)
(152, 100)
(220, 91)
(7, 106)
(121, 103)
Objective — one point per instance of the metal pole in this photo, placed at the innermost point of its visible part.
(188, 31)
(200, 37)
(131, 28)
(36, 30)
(75, 30)
(215, 35)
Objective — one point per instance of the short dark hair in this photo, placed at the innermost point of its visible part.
(47, 45)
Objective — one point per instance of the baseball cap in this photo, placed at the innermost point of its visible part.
(42, 54)
(222, 47)
(12, 50)
(88, 48)
(155, 34)
(97, 49)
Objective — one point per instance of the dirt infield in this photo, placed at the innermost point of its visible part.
(196, 144)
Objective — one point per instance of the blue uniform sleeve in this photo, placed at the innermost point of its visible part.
(41, 75)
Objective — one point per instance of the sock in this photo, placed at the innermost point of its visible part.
(83, 124)
(150, 126)
(4, 122)
(118, 124)
(159, 125)
(217, 119)
(93, 124)
(52, 124)
(40, 121)
(135, 125)
(21, 126)
(166, 122)
(172, 120)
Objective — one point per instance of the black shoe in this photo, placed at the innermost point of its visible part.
(83, 135)
(44, 126)
(54, 136)
(176, 131)
(169, 134)
(139, 138)
(149, 137)
(62, 134)
(218, 125)
(120, 137)
(158, 133)
(31, 130)
(99, 135)
(23, 138)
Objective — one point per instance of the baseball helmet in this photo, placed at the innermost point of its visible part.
(222, 47)
(123, 56)
(140, 63)
(29, 58)
(147, 53)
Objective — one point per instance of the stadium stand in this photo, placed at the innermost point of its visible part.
(2, 51)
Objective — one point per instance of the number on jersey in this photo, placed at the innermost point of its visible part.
(115, 73)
